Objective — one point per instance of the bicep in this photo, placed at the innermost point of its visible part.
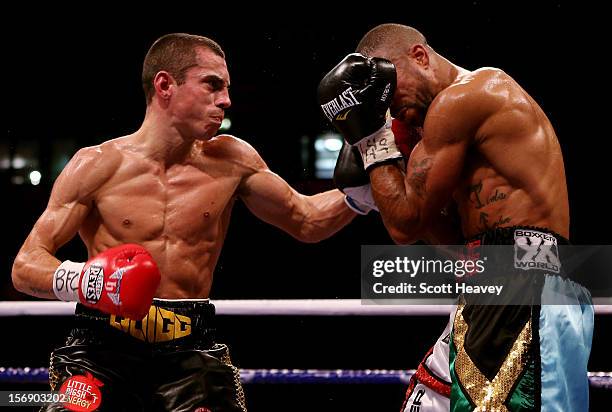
(57, 225)
(62, 217)
(69, 204)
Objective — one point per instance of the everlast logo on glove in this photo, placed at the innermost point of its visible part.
(343, 101)
(355, 97)
(536, 250)
(92, 287)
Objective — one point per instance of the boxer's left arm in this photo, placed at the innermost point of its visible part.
(273, 200)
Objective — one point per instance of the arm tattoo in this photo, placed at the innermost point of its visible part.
(418, 176)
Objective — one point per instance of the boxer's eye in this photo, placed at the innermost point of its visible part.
(215, 83)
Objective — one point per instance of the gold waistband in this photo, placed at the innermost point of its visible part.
(160, 325)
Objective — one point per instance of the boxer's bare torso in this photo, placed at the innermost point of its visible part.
(513, 172)
(488, 145)
(170, 187)
(114, 194)
(180, 214)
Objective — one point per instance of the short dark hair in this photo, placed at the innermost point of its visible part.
(386, 36)
(174, 53)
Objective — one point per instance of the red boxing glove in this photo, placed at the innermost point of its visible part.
(121, 280)
(406, 137)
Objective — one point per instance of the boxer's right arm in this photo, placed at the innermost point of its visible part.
(69, 204)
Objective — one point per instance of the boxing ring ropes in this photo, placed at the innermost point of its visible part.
(294, 307)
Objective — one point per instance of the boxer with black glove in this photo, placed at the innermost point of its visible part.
(355, 97)
(490, 150)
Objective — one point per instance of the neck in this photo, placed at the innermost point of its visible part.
(445, 72)
(161, 141)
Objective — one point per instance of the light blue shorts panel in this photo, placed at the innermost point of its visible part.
(566, 333)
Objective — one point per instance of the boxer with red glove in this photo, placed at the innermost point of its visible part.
(170, 186)
(121, 280)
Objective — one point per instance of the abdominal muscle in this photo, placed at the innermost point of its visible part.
(185, 250)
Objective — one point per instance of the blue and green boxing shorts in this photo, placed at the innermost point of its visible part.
(525, 357)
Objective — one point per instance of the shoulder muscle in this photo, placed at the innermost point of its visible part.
(459, 111)
(85, 173)
(240, 152)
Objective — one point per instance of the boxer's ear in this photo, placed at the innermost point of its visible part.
(162, 82)
(420, 54)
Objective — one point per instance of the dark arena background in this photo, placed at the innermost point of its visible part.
(75, 81)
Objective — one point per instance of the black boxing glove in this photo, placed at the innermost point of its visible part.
(352, 180)
(355, 97)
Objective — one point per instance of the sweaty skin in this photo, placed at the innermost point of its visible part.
(486, 144)
(170, 187)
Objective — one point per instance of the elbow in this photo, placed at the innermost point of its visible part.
(400, 237)
(310, 239)
(19, 281)
(404, 231)
(309, 235)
